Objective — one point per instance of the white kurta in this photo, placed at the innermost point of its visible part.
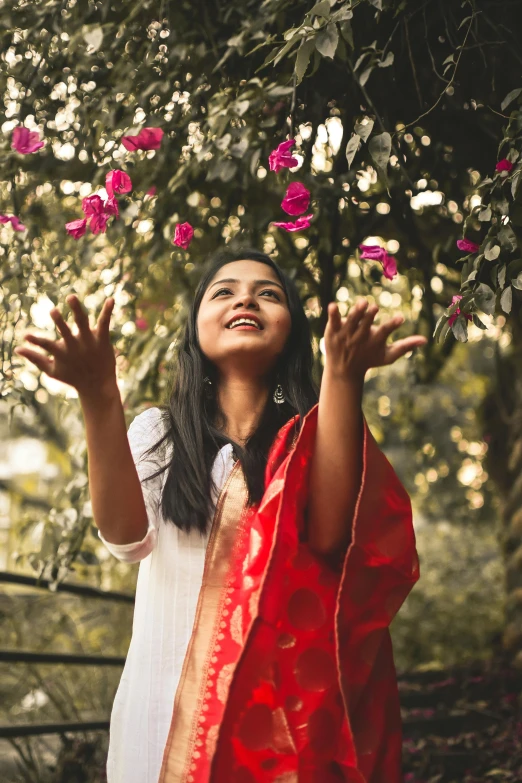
(169, 580)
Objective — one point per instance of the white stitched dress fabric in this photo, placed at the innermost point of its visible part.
(169, 579)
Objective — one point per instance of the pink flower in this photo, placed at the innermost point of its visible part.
(147, 139)
(15, 222)
(298, 225)
(141, 324)
(98, 223)
(467, 245)
(281, 157)
(453, 317)
(117, 182)
(183, 235)
(26, 141)
(504, 165)
(92, 205)
(151, 191)
(76, 228)
(111, 207)
(378, 253)
(296, 200)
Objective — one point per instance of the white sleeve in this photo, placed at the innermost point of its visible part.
(144, 431)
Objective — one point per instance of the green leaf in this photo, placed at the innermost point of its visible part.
(517, 282)
(286, 48)
(327, 40)
(365, 75)
(492, 252)
(501, 277)
(439, 326)
(506, 300)
(364, 128)
(376, 3)
(254, 162)
(321, 9)
(388, 60)
(380, 149)
(343, 14)
(346, 32)
(508, 238)
(510, 97)
(478, 322)
(484, 214)
(303, 58)
(460, 329)
(352, 147)
(484, 297)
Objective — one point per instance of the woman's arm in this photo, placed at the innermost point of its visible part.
(352, 346)
(336, 467)
(116, 495)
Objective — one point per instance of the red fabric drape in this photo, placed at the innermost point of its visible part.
(314, 695)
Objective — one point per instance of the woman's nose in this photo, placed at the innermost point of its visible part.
(246, 300)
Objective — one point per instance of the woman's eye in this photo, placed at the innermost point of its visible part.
(269, 291)
(227, 290)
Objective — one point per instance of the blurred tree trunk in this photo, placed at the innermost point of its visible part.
(502, 420)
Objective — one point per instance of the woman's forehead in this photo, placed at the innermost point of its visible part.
(245, 270)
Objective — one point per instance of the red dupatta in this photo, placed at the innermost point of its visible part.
(289, 674)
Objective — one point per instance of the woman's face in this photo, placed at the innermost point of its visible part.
(250, 289)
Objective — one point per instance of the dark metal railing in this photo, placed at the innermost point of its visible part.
(24, 656)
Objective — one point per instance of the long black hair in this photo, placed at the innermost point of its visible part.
(191, 414)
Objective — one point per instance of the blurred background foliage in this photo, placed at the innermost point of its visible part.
(401, 111)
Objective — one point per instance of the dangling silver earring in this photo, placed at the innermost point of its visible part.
(207, 383)
(279, 396)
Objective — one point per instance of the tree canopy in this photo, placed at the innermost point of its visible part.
(407, 119)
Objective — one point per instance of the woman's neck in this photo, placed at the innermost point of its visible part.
(242, 401)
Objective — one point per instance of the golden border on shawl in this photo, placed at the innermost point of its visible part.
(188, 701)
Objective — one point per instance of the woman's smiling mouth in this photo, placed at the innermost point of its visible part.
(245, 322)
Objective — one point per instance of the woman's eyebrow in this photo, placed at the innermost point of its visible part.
(256, 282)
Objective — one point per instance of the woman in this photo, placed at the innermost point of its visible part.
(275, 541)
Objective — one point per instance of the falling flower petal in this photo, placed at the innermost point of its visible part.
(296, 200)
(117, 182)
(76, 228)
(453, 318)
(298, 225)
(15, 222)
(467, 245)
(111, 207)
(282, 157)
(26, 141)
(98, 223)
(504, 165)
(141, 324)
(183, 235)
(378, 253)
(147, 139)
(151, 191)
(92, 205)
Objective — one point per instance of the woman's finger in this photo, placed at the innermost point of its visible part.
(48, 345)
(400, 347)
(385, 329)
(354, 316)
(44, 363)
(365, 323)
(61, 326)
(105, 316)
(334, 317)
(80, 316)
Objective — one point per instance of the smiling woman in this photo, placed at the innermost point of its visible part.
(275, 541)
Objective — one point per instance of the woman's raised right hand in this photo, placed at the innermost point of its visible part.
(85, 360)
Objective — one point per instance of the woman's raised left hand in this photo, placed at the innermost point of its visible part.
(353, 344)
